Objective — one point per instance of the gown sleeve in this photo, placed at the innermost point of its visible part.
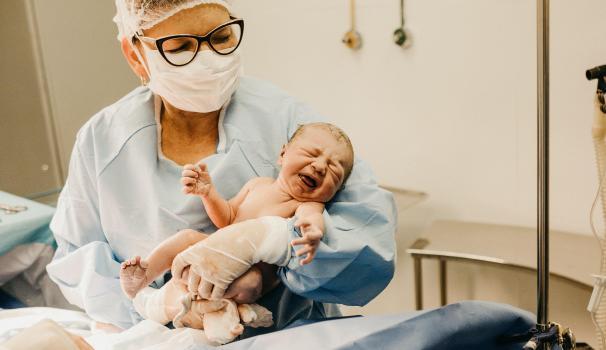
(84, 266)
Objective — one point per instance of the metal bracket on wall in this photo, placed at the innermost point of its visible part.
(352, 38)
(400, 36)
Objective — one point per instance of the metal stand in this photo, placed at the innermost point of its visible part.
(543, 163)
(547, 335)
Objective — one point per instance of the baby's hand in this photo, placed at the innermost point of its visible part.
(196, 179)
(310, 240)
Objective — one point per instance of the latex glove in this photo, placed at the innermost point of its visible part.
(228, 253)
(196, 179)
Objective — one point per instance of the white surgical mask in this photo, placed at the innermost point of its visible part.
(204, 85)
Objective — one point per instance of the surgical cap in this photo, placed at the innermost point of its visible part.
(133, 16)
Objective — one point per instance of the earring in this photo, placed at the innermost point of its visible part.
(143, 81)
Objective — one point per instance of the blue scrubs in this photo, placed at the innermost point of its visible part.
(123, 197)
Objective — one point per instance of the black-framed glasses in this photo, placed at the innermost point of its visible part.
(181, 49)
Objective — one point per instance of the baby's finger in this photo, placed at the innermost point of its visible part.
(189, 173)
(309, 257)
(314, 235)
(187, 189)
(187, 181)
(202, 167)
(189, 167)
(299, 241)
(198, 169)
(303, 250)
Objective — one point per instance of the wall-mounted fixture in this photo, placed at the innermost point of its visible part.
(352, 38)
(399, 35)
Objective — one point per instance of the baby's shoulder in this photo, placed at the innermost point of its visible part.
(258, 182)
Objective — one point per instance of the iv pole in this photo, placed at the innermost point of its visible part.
(543, 164)
(547, 335)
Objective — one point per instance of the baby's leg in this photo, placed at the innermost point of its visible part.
(136, 274)
(224, 325)
(161, 258)
(160, 305)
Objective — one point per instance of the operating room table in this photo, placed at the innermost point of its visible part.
(26, 246)
(465, 325)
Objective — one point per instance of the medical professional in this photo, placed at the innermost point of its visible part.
(123, 193)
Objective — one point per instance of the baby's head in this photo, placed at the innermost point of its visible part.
(316, 162)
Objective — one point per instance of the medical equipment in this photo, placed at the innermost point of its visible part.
(597, 304)
(203, 85)
(399, 35)
(353, 39)
(547, 335)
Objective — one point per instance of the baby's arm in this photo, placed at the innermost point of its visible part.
(311, 223)
(196, 180)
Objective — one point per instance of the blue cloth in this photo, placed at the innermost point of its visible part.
(462, 326)
(123, 197)
(9, 302)
(30, 226)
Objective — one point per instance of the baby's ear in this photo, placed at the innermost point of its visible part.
(281, 156)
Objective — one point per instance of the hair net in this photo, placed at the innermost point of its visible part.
(135, 15)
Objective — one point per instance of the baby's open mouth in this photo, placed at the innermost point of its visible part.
(308, 180)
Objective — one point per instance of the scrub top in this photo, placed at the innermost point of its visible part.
(122, 197)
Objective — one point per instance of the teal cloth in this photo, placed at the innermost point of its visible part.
(30, 226)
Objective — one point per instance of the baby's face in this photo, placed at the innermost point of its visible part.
(313, 165)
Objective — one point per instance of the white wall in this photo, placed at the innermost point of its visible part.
(84, 67)
(455, 114)
(27, 163)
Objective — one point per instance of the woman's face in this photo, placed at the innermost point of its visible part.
(199, 20)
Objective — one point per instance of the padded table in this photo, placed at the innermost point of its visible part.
(29, 226)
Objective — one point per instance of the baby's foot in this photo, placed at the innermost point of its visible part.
(133, 276)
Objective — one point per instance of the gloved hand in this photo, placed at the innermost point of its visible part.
(228, 253)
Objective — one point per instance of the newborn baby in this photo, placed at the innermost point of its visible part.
(314, 165)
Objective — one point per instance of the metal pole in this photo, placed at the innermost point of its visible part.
(418, 282)
(442, 282)
(543, 163)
